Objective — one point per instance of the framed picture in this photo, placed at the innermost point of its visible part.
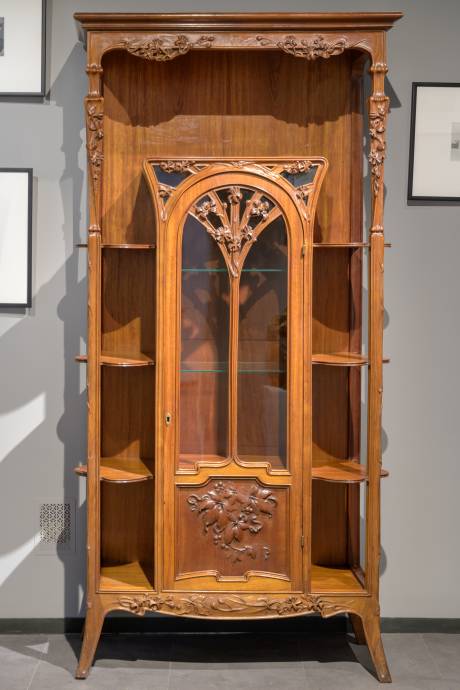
(22, 48)
(434, 158)
(16, 237)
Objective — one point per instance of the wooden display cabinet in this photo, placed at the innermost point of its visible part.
(225, 261)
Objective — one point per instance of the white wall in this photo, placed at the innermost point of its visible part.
(42, 405)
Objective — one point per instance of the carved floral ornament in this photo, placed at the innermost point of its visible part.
(220, 605)
(377, 126)
(228, 227)
(95, 136)
(230, 514)
(308, 48)
(216, 214)
(163, 48)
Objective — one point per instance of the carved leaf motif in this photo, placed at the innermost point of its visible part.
(317, 47)
(298, 167)
(229, 513)
(162, 49)
(233, 232)
(176, 166)
(377, 126)
(95, 135)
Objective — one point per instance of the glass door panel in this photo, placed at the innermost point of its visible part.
(205, 295)
(262, 349)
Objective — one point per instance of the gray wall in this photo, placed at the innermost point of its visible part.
(42, 406)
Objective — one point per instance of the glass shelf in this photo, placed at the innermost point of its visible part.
(222, 368)
(224, 270)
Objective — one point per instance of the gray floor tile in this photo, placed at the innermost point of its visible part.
(292, 678)
(330, 678)
(49, 677)
(445, 651)
(407, 656)
(16, 668)
(233, 662)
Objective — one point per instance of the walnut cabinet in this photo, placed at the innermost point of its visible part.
(225, 359)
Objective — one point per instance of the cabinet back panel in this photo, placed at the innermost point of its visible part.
(127, 524)
(223, 104)
(128, 407)
(128, 301)
(243, 104)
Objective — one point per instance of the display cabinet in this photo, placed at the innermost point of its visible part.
(226, 362)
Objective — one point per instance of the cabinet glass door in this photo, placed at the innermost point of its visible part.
(233, 365)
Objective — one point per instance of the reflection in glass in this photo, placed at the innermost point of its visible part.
(262, 349)
(204, 348)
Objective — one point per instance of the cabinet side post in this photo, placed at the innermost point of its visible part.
(94, 107)
(378, 109)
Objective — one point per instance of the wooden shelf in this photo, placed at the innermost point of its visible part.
(343, 359)
(110, 359)
(128, 577)
(324, 579)
(120, 246)
(345, 245)
(340, 359)
(346, 471)
(121, 470)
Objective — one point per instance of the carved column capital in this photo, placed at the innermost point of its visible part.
(378, 68)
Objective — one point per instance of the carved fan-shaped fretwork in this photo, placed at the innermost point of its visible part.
(302, 178)
(234, 217)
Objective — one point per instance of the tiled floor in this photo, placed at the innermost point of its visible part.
(228, 662)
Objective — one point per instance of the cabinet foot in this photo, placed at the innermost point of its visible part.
(92, 632)
(357, 626)
(371, 628)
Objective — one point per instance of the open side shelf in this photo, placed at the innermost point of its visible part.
(334, 579)
(110, 359)
(342, 359)
(346, 471)
(121, 470)
(84, 245)
(127, 577)
(345, 245)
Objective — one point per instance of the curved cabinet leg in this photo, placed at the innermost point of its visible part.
(371, 629)
(93, 626)
(358, 630)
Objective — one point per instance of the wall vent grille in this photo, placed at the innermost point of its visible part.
(56, 525)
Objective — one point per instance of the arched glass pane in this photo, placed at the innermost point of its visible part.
(204, 348)
(262, 349)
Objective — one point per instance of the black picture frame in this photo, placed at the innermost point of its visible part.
(30, 177)
(5, 95)
(411, 197)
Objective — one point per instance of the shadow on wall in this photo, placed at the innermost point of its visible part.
(35, 343)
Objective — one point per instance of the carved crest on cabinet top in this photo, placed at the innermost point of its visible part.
(230, 514)
(308, 48)
(236, 214)
(162, 48)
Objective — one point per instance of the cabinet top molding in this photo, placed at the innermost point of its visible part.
(222, 21)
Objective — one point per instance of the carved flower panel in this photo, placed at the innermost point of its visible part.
(232, 526)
